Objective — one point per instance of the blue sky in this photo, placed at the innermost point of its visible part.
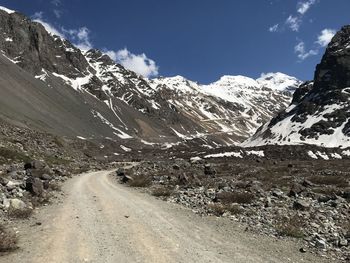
(199, 39)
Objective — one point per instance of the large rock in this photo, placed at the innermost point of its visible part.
(17, 204)
(35, 186)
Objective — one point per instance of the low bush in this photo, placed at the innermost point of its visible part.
(291, 227)
(329, 180)
(140, 181)
(217, 209)
(235, 197)
(20, 213)
(162, 191)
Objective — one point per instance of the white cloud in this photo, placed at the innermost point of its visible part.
(38, 17)
(274, 28)
(140, 64)
(57, 13)
(80, 37)
(293, 22)
(301, 52)
(56, 2)
(325, 37)
(303, 7)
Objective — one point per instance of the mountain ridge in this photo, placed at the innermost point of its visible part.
(133, 108)
(319, 113)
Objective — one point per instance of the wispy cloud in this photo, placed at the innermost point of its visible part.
(274, 28)
(57, 13)
(80, 37)
(38, 17)
(140, 63)
(303, 7)
(325, 37)
(302, 53)
(56, 2)
(294, 21)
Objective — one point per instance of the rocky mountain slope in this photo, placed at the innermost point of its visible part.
(320, 111)
(235, 105)
(49, 84)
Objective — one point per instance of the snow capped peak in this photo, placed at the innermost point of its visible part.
(236, 81)
(9, 11)
(178, 83)
(278, 81)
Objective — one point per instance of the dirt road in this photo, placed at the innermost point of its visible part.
(99, 220)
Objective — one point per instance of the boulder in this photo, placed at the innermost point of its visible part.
(17, 204)
(45, 177)
(35, 186)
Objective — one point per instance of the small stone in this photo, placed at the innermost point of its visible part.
(302, 250)
(320, 243)
(343, 242)
(301, 205)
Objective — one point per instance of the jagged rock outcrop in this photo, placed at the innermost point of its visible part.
(320, 110)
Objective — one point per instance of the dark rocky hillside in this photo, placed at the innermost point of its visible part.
(320, 110)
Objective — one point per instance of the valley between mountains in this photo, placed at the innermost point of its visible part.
(99, 164)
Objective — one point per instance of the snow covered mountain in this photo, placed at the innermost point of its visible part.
(320, 110)
(233, 105)
(49, 84)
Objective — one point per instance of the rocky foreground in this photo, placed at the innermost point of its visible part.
(33, 166)
(307, 200)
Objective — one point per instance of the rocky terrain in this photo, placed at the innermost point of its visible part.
(33, 166)
(64, 111)
(301, 199)
(319, 112)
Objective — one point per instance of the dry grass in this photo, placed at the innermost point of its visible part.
(20, 213)
(234, 209)
(329, 180)
(236, 197)
(140, 181)
(217, 209)
(291, 227)
(8, 239)
(162, 191)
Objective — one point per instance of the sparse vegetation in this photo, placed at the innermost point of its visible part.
(140, 181)
(329, 180)
(236, 197)
(291, 227)
(20, 213)
(162, 191)
(9, 154)
(234, 209)
(217, 209)
(8, 239)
